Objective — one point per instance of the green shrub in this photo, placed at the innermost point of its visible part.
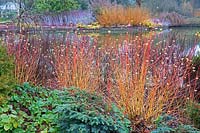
(7, 81)
(82, 112)
(42, 6)
(36, 109)
(29, 109)
(193, 110)
(164, 124)
(10, 120)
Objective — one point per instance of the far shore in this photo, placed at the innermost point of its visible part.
(4, 27)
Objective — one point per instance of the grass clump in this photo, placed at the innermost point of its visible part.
(119, 15)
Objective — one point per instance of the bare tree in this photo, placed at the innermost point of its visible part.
(24, 6)
(139, 2)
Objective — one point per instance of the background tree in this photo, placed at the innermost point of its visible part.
(84, 4)
(42, 6)
(139, 2)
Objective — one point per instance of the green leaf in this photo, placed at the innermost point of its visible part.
(5, 118)
(7, 127)
(15, 124)
(5, 109)
(18, 130)
(44, 131)
(52, 130)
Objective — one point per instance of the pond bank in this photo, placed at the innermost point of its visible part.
(11, 27)
(185, 25)
(4, 28)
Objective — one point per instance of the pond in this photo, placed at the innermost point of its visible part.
(44, 54)
(185, 37)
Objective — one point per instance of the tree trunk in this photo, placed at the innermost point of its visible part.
(19, 15)
(139, 2)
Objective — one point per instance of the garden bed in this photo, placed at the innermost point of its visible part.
(144, 75)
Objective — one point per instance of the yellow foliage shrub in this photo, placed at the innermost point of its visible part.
(119, 15)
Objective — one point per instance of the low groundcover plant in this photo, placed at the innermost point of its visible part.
(36, 109)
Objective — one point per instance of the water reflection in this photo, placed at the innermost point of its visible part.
(197, 51)
(185, 38)
(38, 53)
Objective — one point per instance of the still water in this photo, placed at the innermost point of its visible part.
(37, 49)
(186, 37)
